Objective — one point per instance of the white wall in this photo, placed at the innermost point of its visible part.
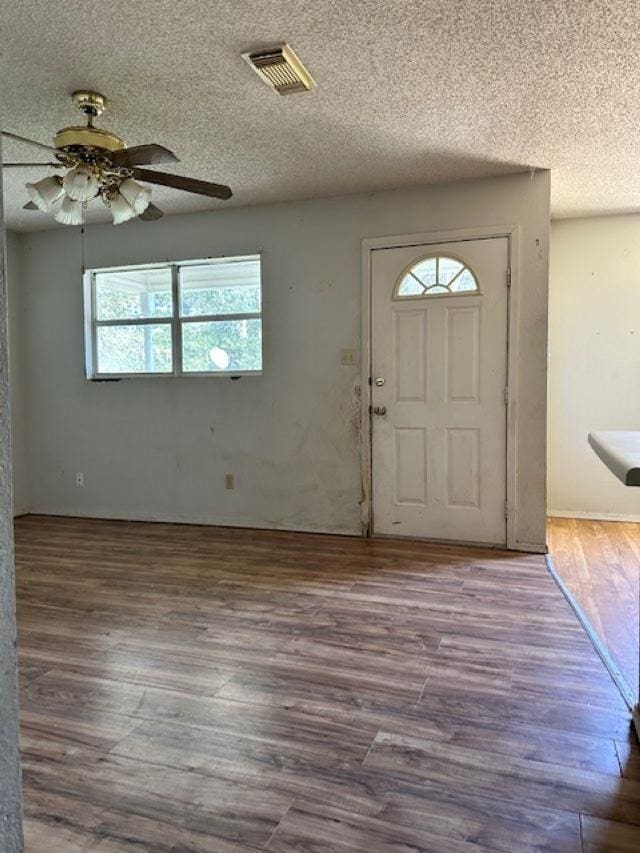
(17, 365)
(594, 367)
(159, 448)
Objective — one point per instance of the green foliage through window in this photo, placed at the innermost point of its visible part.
(212, 307)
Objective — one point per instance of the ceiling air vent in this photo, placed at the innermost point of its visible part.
(281, 69)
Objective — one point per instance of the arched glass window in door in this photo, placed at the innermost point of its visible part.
(436, 275)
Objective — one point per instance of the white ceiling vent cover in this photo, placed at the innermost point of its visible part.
(281, 69)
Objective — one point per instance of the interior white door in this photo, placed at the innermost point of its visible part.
(439, 378)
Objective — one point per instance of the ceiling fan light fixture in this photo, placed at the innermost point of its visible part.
(121, 210)
(81, 184)
(71, 212)
(136, 195)
(98, 164)
(46, 192)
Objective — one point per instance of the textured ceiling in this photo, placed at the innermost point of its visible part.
(409, 92)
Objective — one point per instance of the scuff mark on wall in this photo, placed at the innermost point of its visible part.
(355, 415)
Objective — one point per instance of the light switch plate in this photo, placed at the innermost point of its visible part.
(349, 356)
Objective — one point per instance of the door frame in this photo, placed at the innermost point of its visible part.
(369, 244)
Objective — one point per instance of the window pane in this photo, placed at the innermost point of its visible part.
(228, 286)
(410, 287)
(425, 271)
(134, 349)
(133, 294)
(464, 283)
(222, 345)
(447, 269)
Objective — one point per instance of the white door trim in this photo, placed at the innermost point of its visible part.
(512, 233)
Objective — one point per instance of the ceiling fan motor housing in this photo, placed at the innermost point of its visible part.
(92, 104)
(88, 137)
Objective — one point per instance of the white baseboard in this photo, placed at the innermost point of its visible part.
(595, 516)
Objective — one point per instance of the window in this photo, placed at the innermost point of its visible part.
(436, 275)
(179, 319)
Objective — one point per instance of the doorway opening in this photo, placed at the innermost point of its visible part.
(594, 371)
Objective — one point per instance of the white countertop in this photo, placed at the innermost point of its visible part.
(620, 451)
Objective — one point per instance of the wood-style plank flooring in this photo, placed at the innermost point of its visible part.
(203, 689)
(599, 561)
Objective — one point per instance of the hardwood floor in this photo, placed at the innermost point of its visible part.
(599, 561)
(202, 689)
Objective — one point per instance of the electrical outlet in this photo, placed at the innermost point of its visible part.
(228, 481)
(80, 479)
(348, 356)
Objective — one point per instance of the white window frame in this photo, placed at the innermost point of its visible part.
(402, 297)
(176, 321)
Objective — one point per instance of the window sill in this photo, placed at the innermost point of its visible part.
(218, 374)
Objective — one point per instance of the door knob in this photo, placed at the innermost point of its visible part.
(380, 410)
(379, 381)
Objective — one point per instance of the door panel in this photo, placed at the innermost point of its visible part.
(411, 465)
(439, 365)
(463, 467)
(410, 331)
(463, 354)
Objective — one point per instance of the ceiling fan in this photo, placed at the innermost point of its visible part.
(98, 164)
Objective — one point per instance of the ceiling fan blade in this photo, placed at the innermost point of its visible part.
(190, 185)
(29, 165)
(151, 213)
(143, 155)
(30, 206)
(29, 141)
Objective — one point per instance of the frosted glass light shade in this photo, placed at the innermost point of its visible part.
(121, 210)
(139, 197)
(80, 184)
(46, 192)
(70, 213)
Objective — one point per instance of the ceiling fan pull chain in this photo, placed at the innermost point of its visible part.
(82, 249)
